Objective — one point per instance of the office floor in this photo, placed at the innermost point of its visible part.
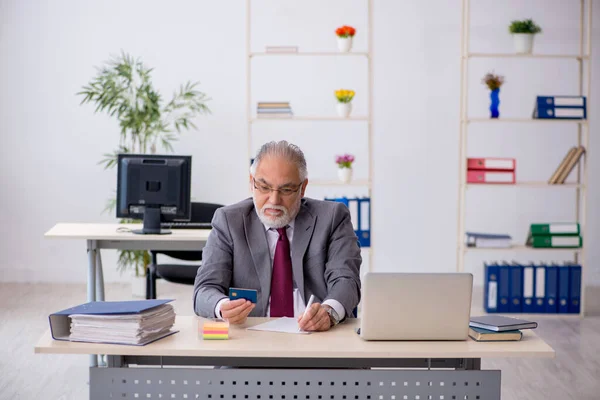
(573, 374)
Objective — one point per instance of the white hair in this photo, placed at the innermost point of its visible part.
(285, 150)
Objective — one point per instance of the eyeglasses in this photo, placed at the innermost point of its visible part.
(285, 191)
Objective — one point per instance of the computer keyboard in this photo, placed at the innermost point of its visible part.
(185, 225)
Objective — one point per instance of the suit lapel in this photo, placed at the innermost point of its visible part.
(259, 249)
(303, 230)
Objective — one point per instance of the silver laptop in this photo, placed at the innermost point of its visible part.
(416, 306)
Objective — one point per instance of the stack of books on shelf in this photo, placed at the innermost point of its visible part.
(487, 240)
(117, 322)
(554, 235)
(560, 107)
(360, 215)
(495, 328)
(280, 109)
(491, 170)
(532, 288)
(566, 166)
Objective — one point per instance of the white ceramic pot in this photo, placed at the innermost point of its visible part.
(344, 44)
(344, 109)
(345, 174)
(523, 42)
(138, 286)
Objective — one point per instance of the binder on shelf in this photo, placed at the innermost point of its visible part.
(491, 164)
(563, 289)
(529, 288)
(555, 242)
(490, 287)
(570, 164)
(364, 221)
(516, 288)
(500, 177)
(503, 287)
(487, 240)
(551, 288)
(556, 228)
(560, 107)
(574, 288)
(540, 288)
(360, 215)
(554, 178)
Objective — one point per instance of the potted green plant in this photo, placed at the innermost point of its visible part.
(523, 33)
(123, 89)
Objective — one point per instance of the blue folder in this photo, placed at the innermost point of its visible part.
(364, 221)
(575, 288)
(503, 288)
(540, 288)
(360, 212)
(554, 107)
(60, 323)
(490, 288)
(516, 288)
(529, 288)
(551, 289)
(563, 289)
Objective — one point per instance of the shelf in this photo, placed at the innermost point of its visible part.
(529, 185)
(311, 54)
(526, 120)
(339, 183)
(311, 119)
(515, 55)
(521, 248)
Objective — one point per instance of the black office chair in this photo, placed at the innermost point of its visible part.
(179, 273)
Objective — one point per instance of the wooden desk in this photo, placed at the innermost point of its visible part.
(118, 236)
(280, 366)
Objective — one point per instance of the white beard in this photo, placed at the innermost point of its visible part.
(277, 222)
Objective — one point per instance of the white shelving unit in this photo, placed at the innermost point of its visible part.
(582, 139)
(253, 120)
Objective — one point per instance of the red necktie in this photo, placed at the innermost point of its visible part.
(282, 287)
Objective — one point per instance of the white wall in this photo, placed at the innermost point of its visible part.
(48, 52)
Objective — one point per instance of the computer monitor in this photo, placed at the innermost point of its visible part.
(155, 188)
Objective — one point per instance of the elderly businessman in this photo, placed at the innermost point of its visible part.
(285, 246)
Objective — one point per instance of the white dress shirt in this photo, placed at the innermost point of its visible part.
(299, 305)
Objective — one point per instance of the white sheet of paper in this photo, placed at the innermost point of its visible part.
(284, 324)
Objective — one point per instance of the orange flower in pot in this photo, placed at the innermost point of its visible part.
(345, 34)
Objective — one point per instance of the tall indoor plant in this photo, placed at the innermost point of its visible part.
(123, 89)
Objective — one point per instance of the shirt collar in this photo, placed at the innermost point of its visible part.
(290, 225)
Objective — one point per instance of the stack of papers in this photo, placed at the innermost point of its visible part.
(135, 329)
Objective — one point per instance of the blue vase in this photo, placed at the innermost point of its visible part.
(495, 98)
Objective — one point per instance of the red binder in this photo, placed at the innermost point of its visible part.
(491, 164)
(506, 177)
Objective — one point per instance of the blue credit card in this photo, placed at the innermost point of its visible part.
(248, 294)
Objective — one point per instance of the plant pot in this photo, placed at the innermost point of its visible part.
(138, 286)
(345, 174)
(523, 42)
(344, 109)
(495, 103)
(344, 44)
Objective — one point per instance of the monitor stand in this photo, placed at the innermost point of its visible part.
(152, 223)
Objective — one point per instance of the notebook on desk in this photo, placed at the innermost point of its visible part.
(416, 306)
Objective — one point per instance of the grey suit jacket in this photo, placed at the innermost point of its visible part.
(325, 256)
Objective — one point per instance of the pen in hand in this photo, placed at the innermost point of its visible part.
(310, 301)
